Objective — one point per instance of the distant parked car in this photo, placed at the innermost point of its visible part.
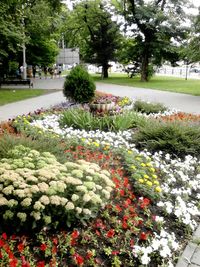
(195, 70)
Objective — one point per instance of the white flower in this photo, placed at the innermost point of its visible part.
(79, 210)
(26, 202)
(145, 259)
(36, 215)
(74, 197)
(38, 206)
(22, 216)
(8, 215)
(86, 198)
(87, 211)
(43, 187)
(69, 206)
(3, 201)
(44, 200)
(47, 219)
(55, 200)
(8, 190)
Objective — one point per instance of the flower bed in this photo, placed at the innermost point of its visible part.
(147, 204)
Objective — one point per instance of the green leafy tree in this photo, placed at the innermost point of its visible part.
(157, 27)
(190, 49)
(11, 34)
(91, 27)
(42, 29)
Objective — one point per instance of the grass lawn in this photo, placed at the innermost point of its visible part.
(172, 84)
(13, 95)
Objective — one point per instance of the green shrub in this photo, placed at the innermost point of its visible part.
(79, 85)
(145, 107)
(42, 144)
(36, 190)
(170, 137)
(82, 119)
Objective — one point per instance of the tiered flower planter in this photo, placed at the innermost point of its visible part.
(102, 106)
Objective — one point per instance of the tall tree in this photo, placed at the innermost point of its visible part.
(93, 30)
(157, 26)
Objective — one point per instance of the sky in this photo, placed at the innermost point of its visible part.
(196, 3)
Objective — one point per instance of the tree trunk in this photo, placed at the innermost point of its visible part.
(145, 65)
(105, 71)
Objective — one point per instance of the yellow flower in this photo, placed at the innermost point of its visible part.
(130, 152)
(133, 167)
(96, 144)
(141, 181)
(158, 189)
(149, 183)
(148, 164)
(152, 169)
(154, 176)
(143, 164)
(156, 182)
(146, 176)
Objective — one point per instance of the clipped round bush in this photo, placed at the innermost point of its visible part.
(148, 108)
(79, 85)
(36, 190)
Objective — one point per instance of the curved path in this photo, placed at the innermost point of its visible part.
(182, 102)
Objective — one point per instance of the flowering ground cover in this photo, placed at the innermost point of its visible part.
(93, 200)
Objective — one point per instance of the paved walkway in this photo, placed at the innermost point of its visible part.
(183, 102)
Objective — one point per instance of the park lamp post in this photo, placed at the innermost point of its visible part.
(24, 74)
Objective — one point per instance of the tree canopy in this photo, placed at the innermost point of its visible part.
(156, 26)
(94, 31)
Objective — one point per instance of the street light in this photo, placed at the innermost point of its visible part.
(24, 74)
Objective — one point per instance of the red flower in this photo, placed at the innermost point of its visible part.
(122, 192)
(89, 255)
(43, 247)
(41, 264)
(115, 252)
(79, 259)
(1, 256)
(75, 234)
(110, 233)
(13, 263)
(98, 233)
(125, 181)
(127, 202)
(54, 250)
(20, 247)
(55, 241)
(118, 208)
(145, 203)
(131, 242)
(4, 236)
(1, 243)
(124, 225)
(143, 236)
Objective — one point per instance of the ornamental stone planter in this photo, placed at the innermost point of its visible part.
(102, 106)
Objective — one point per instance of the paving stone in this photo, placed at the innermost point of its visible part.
(186, 257)
(193, 265)
(197, 233)
(196, 256)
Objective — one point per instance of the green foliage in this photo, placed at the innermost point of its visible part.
(155, 24)
(41, 144)
(174, 138)
(145, 107)
(38, 191)
(91, 28)
(79, 85)
(81, 119)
